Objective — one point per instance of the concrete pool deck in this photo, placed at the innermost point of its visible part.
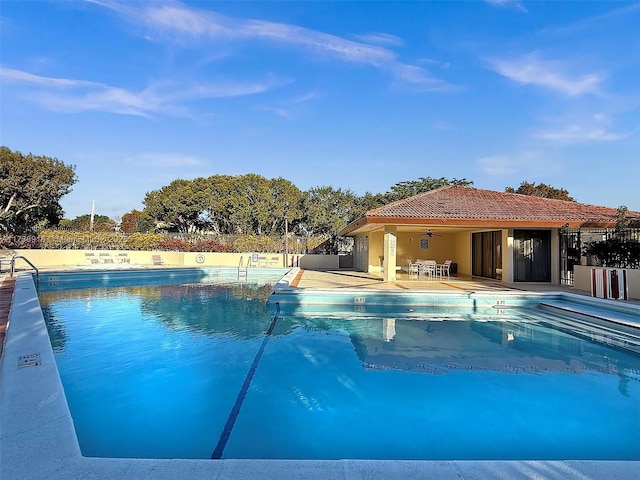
(37, 438)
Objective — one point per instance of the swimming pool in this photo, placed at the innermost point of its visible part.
(195, 369)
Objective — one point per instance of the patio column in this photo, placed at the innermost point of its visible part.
(507, 255)
(389, 250)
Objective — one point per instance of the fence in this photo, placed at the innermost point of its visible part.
(573, 241)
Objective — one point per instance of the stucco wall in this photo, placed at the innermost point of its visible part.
(43, 259)
(440, 248)
(582, 280)
(462, 254)
(408, 248)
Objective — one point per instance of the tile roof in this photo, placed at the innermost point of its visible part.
(467, 203)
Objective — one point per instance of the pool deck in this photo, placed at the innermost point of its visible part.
(37, 438)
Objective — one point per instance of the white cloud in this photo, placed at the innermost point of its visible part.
(168, 160)
(594, 129)
(72, 95)
(530, 70)
(380, 39)
(180, 23)
(18, 76)
(516, 4)
(290, 107)
(525, 164)
(500, 165)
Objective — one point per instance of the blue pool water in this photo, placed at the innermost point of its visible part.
(202, 370)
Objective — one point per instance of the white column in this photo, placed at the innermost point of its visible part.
(507, 255)
(389, 274)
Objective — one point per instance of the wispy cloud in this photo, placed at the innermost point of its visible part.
(380, 39)
(594, 129)
(168, 160)
(182, 24)
(525, 164)
(18, 76)
(289, 108)
(71, 95)
(552, 75)
(515, 4)
(497, 165)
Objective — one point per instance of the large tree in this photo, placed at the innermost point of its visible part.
(101, 223)
(179, 205)
(136, 221)
(30, 191)
(327, 211)
(285, 205)
(541, 190)
(402, 190)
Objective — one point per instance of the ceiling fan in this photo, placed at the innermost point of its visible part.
(429, 233)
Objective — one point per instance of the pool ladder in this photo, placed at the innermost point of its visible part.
(243, 270)
(13, 267)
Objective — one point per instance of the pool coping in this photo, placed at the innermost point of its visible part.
(38, 441)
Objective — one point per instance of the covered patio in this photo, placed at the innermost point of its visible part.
(505, 237)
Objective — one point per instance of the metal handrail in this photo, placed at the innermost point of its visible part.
(240, 264)
(242, 268)
(13, 267)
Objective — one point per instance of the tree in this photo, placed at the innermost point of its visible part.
(327, 211)
(285, 204)
(622, 222)
(251, 200)
(218, 203)
(541, 190)
(136, 221)
(402, 190)
(30, 191)
(179, 205)
(101, 223)
(370, 201)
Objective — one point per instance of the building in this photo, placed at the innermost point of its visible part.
(503, 236)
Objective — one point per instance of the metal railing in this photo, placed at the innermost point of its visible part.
(242, 270)
(13, 267)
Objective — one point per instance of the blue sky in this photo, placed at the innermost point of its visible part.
(356, 95)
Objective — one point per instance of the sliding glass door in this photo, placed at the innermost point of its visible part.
(487, 254)
(532, 255)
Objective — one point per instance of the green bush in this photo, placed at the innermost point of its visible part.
(253, 243)
(60, 239)
(615, 252)
(143, 241)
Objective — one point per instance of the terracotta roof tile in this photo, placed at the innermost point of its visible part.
(467, 203)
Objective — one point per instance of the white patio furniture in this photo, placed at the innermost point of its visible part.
(444, 269)
(427, 267)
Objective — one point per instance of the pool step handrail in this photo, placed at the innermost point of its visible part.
(13, 267)
(242, 270)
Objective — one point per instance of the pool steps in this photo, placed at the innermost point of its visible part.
(613, 328)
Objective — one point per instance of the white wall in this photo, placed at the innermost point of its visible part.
(582, 280)
(76, 258)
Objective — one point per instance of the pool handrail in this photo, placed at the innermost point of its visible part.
(13, 266)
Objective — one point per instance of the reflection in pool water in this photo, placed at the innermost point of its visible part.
(155, 372)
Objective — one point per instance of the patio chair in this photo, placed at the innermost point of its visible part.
(156, 260)
(444, 269)
(414, 269)
(427, 267)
